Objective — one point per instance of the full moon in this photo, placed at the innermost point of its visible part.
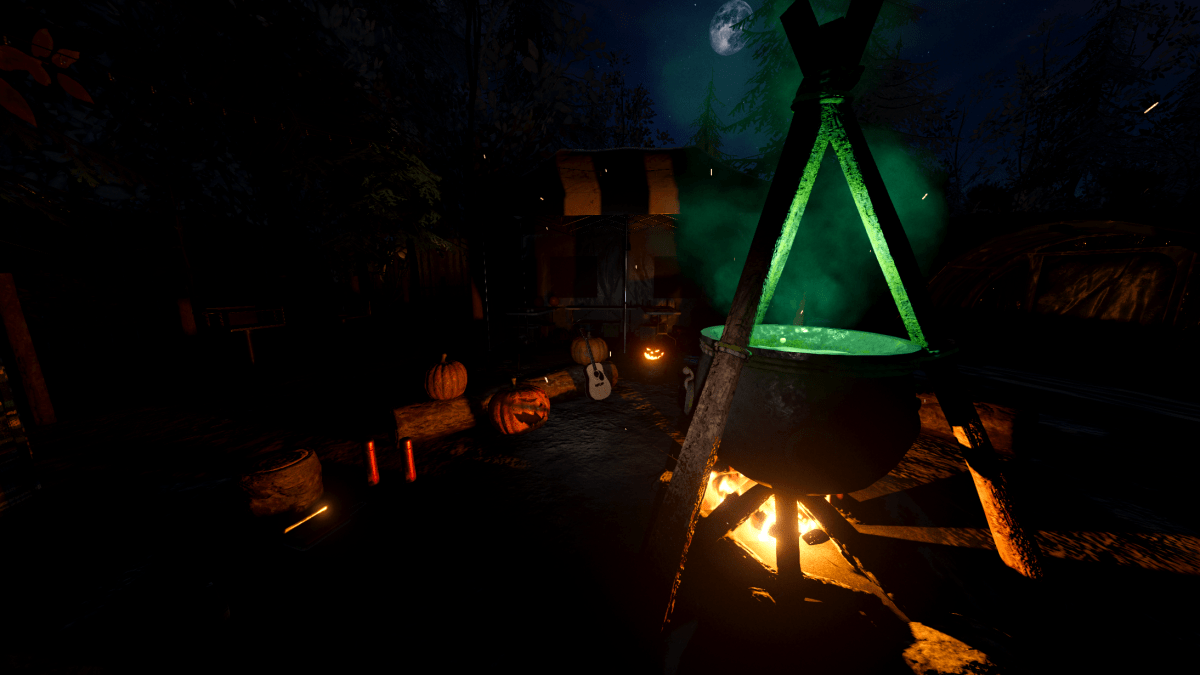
(725, 40)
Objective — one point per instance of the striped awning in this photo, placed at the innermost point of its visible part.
(639, 181)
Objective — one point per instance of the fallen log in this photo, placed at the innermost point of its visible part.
(426, 421)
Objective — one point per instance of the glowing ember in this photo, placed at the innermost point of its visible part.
(323, 509)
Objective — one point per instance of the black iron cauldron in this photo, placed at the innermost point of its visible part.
(819, 411)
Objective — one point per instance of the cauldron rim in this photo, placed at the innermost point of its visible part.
(909, 352)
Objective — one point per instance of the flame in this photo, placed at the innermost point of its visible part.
(803, 521)
(721, 485)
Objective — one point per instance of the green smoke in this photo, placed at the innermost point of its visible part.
(831, 265)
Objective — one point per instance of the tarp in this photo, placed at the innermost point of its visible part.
(1102, 270)
(586, 202)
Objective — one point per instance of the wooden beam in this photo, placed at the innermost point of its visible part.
(22, 345)
(1017, 546)
(671, 533)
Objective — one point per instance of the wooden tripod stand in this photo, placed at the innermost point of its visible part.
(823, 117)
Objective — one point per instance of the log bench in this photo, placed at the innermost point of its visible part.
(434, 419)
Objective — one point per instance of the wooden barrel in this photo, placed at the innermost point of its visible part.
(284, 482)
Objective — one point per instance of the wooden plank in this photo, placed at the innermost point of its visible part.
(434, 419)
(671, 533)
(28, 367)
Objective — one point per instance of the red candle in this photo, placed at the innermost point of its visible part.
(372, 465)
(410, 473)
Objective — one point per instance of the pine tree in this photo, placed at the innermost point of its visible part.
(708, 126)
(626, 114)
(1073, 135)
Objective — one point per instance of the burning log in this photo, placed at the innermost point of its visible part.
(434, 419)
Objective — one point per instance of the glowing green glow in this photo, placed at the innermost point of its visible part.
(783, 246)
(814, 340)
(832, 266)
(866, 210)
(832, 133)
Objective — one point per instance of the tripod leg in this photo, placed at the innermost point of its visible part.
(1016, 545)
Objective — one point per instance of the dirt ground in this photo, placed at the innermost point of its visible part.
(521, 551)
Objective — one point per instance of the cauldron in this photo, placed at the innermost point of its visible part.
(819, 411)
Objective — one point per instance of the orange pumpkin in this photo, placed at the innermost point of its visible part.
(520, 409)
(446, 380)
(579, 349)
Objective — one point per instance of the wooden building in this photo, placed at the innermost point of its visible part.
(603, 227)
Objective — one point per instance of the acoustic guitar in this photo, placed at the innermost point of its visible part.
(598, 386)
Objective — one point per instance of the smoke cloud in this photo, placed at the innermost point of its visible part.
(831, 261)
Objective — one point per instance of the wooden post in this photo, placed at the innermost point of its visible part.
(671, 533)
(22, 345)
(187, 317)
(787, 542)
(250, 345)
(1016, 546)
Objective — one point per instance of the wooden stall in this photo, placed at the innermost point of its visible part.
(604, 225)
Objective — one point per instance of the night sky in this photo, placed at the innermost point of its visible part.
(668, 41)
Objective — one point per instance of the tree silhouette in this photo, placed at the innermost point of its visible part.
(1076, 132)
(708, 125)
(891, 92)
(627, 113)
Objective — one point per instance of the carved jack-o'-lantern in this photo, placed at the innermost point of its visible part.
(653, 353)
(520, 409)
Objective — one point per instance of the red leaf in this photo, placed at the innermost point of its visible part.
(12, 58)
(42, 43)
(74, 88)
(14, 103)
(65, 57)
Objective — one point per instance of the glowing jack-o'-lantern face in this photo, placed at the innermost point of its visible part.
(653, 353)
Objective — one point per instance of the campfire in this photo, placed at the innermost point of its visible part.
(755, 535)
